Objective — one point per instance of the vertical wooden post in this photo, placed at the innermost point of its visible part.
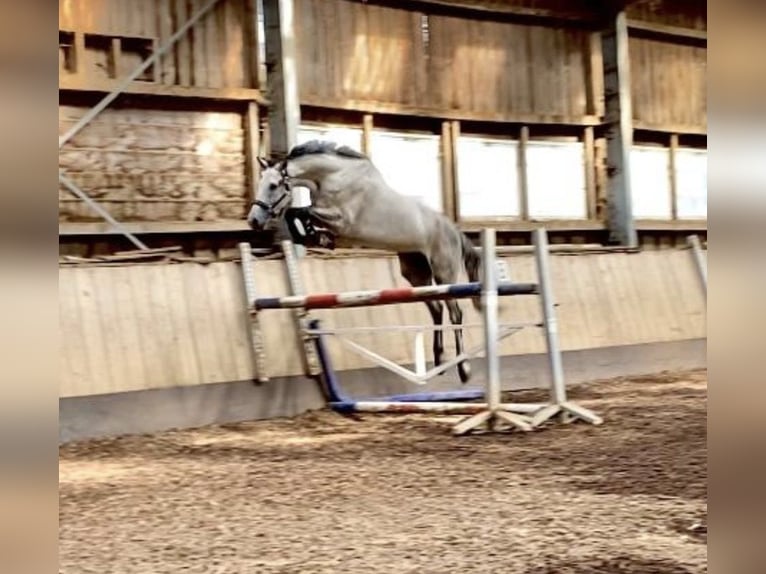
(367, 126)
(115, 59)
(79, 56)
(618, 117)
(282, 79)
(673, 176)
(252, 147)
(521, 163)
(450, 198)
(589, 144)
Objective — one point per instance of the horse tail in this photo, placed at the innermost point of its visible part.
(472, 262)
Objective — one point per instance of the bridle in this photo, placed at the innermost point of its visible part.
(271, 209)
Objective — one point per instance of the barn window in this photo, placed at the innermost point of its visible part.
(650, 182)
(691, 183)
(341, 135)
(410, 164)
(488, 180)
(556, 180)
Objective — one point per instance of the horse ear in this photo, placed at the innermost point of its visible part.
(263, 163)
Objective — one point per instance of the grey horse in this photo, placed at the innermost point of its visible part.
(351, 199)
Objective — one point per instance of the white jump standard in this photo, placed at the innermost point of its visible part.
(492, 412)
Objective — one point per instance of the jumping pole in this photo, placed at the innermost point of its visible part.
(490, 412)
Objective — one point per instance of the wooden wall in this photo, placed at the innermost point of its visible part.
(216, 53)
(690, 14)
(151, 165)
(152, 326)
(351, 51)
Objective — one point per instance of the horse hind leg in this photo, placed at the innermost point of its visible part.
(456, 318)
(417, 271)
(445, 272)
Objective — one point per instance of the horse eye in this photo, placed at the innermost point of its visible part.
(273, 186)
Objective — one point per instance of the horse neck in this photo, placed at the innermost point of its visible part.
(314, 168)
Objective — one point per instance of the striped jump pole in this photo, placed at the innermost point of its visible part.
(388, 296)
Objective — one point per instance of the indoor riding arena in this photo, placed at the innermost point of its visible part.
(257, 380)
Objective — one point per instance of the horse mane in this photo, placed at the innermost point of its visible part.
(318, 147)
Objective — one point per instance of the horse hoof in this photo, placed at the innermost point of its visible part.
(464, 371)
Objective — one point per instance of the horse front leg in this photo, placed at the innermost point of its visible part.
(456, 318)
(331, 221)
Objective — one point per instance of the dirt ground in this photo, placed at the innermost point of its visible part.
(322, 493)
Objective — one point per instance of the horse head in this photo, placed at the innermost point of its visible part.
(274, 194)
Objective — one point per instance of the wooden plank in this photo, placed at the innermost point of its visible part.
(115, 348)
(215, 45)
(531, 80)
(219, 311)
(590, 171)
(374, 107)
(252, 148)
(203, 339)
(367, 127)
(71, 84)
(199, 46)
(154, 336)
(250, 34)
(231, 45)
(167, 69)
(236, 338)
(673, 150)
(158, 325)
(418, 71)
(594, 75)
(80, 60)
(98, 228)
(67, 15)
(128, 311)
(450, 194)
(657, 30)
(183, 53)
(522, 173)
(558, 14)
(74, 348)
(186, 356)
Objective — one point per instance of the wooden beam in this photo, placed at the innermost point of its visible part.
(682, 129)
(101, 228)
(282, 78)
(372, 107)
(367, 127)
(594, 75)
(521, 165)
(450, 189)
(589, 145)
(252, 148)
(618, 119)
(510, 224)
(72, 84)
(115, 58)
(686, 225)
(503, 9)
(79, 57)
(641, 28)
(673, 178)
